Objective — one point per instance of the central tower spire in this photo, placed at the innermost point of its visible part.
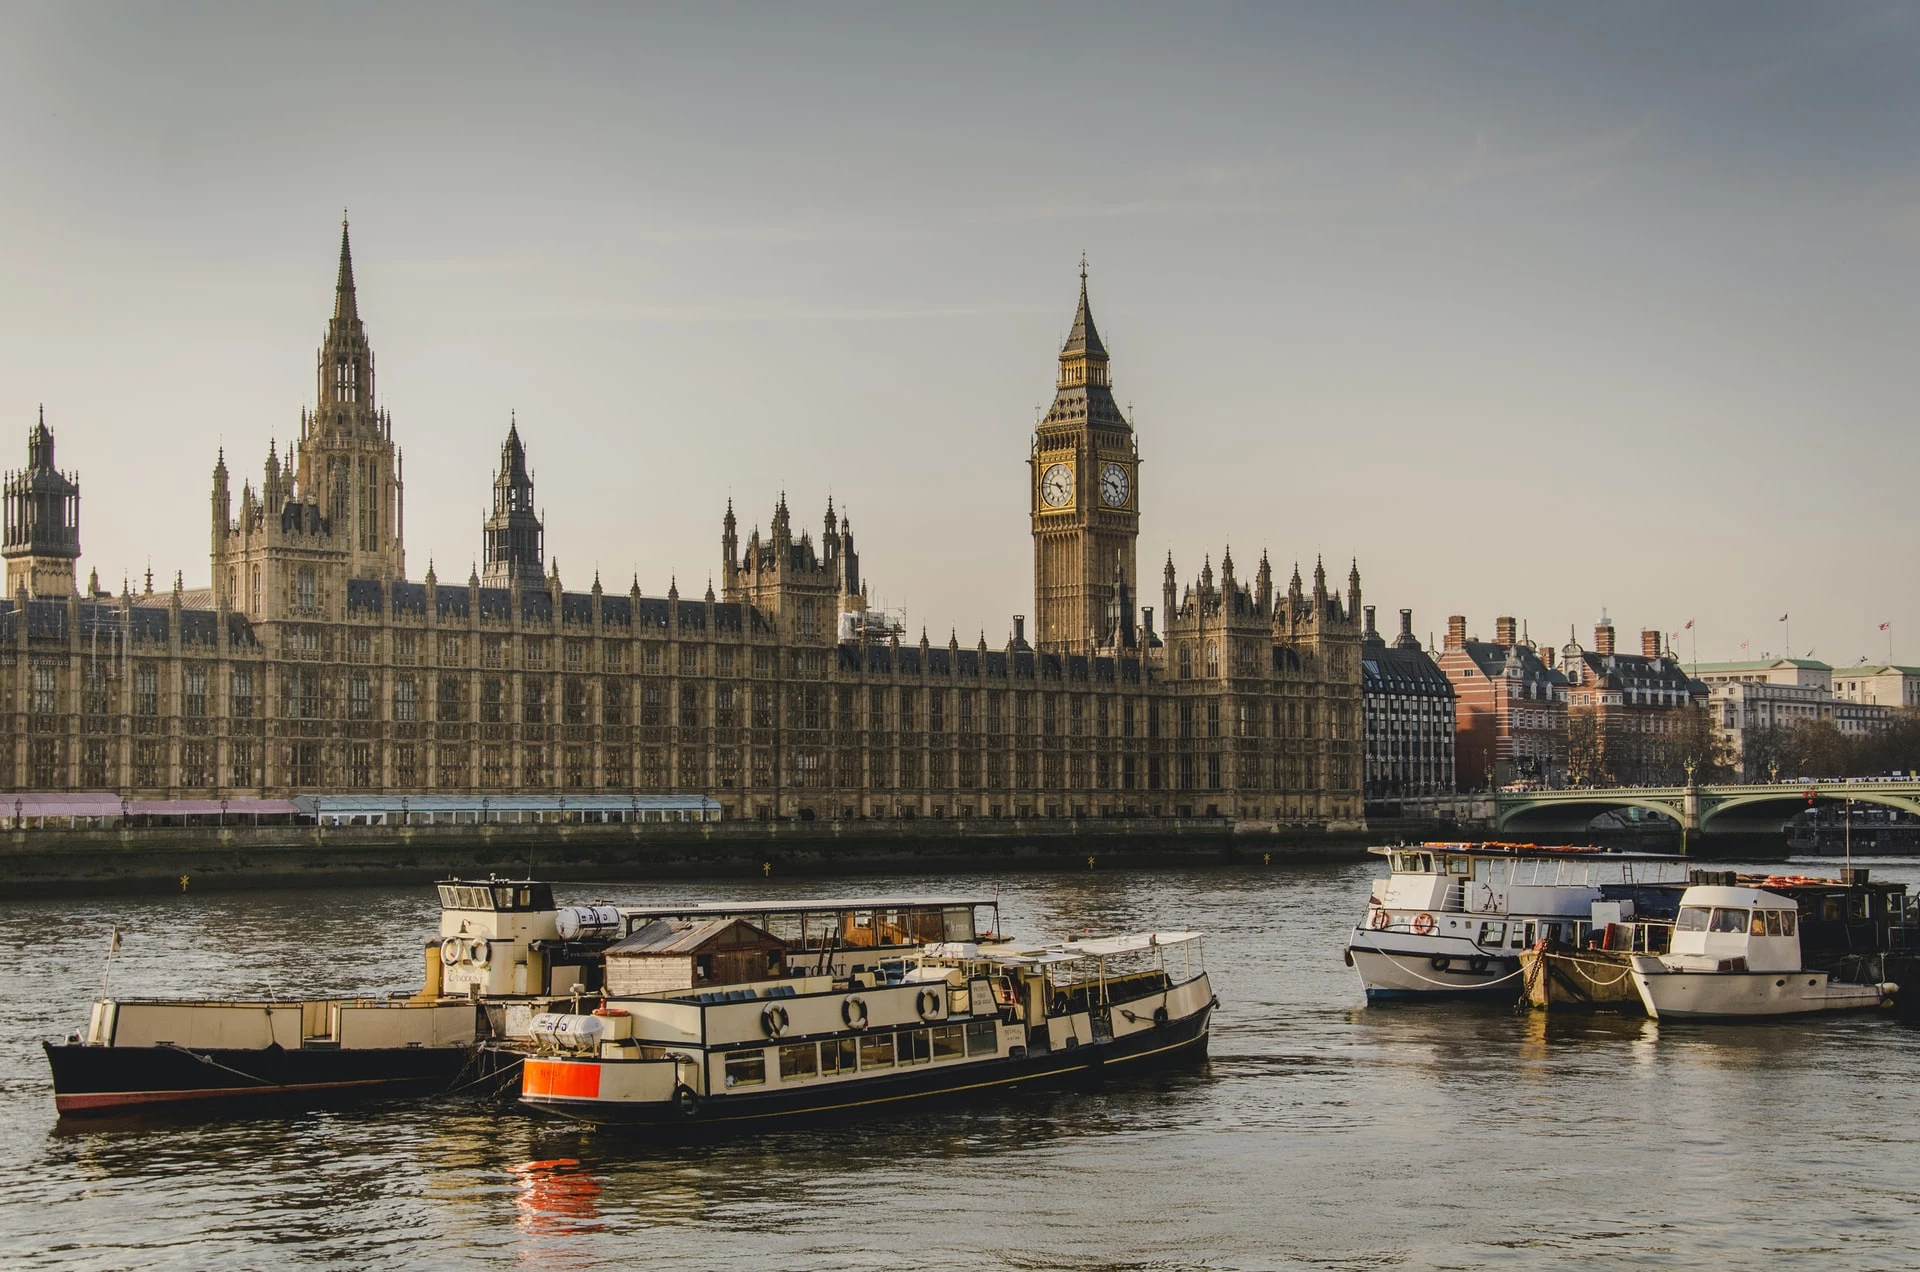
(346, 307)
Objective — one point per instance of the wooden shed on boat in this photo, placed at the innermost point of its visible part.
(671, 954)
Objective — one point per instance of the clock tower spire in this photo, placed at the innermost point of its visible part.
(1083, 486)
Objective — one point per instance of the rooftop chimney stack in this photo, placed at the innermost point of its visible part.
(1456, 631)
(1603, 636)
(1505, 631)
(1547, 656)
(1370, 631)
(1650, 644)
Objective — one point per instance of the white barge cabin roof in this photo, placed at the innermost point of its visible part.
(797, 904)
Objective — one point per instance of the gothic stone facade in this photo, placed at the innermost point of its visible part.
(312, 664)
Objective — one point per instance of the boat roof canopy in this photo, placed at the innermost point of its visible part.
(1736, 898)
(1511, 850)
(1088, 948)
(799, 904)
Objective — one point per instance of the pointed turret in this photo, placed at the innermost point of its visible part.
(514, 539)
(346, 306)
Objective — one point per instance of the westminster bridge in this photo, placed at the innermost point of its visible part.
(1711, 811)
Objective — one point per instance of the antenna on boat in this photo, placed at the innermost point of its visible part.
(113, 947)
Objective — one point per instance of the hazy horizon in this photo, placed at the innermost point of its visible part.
(1533, 310)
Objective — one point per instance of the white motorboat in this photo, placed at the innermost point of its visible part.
(1452, 919)
(1736, 955)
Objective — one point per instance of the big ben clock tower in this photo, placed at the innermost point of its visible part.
(1085, 492)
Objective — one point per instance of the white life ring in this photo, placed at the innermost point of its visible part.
(774, 1020)
(450, 951)
(927, 1003)
(854, 1012)
(477, 952)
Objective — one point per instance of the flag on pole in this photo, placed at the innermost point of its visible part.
(1886, 627)
(113, 942)
(1781, 619)
(1688, 627)
(1743, 644)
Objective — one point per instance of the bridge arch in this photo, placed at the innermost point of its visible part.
(1781, 806)
(1570, 812)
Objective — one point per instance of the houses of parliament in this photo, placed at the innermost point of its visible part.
(312, 663)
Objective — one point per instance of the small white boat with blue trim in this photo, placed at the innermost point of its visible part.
(1736, 955)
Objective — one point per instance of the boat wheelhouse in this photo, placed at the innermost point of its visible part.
(1735, 955)
(952, 1017)
(1452, 919)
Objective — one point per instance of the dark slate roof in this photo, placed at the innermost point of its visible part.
(909, 661)
(577, 608)
(653, 612)
(149, 623)
(616, 611)
(1076, 667)
(450, 601)
(410, 598)
(496, 603)
(940, 661)
(1103, 670)
(997, 663)
(304, 517)
(47, 620)
(1491, 659)
(1632, 671)
(1130, 671)
(1023, 664)
(1386, 669)
(200, 627)
(240, 633)
(726, 616)
(536, 607)
(879, 658)
(364, 596)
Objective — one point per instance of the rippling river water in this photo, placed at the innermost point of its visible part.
(1322, 1133)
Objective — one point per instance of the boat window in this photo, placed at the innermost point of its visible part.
(957, 921)
(926, 926)
(876, 1051)
(503, 898)
(858, 930)
(799, 1062)
(983, 1039)
(1493, 933)
(1759, 925)
(1459, 865)
(746, 1068)
(1773, 922)
(836, 1055)
(1693, 918)
(1786, 921)
(447, 898)
(913, 1046)
(949, 1042)
(1726, 920)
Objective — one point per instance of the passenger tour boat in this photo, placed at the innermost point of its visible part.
(721, 1020)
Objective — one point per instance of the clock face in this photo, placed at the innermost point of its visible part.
(1056, 486)
(1113, 486)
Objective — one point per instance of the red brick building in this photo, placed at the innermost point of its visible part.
(1510, 708)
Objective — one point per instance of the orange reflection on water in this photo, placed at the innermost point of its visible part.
(556, 1196)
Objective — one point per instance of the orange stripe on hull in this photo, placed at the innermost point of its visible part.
(560, 1079)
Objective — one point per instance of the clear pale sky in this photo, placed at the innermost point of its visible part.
(1532, 308)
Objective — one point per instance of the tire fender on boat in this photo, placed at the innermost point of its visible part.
(1439, 962)
(1349, 956)
(1161, 1016)
(450, 951)
(774, 1020)
(1477, 964)
(854, 1012)
(927, 1003)
(686, 1100)
(1422, 924)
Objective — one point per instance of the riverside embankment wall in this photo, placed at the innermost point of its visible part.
(65, 862)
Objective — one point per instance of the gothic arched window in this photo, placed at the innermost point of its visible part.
(1213, 661)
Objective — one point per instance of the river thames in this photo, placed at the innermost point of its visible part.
(1321, 1133)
